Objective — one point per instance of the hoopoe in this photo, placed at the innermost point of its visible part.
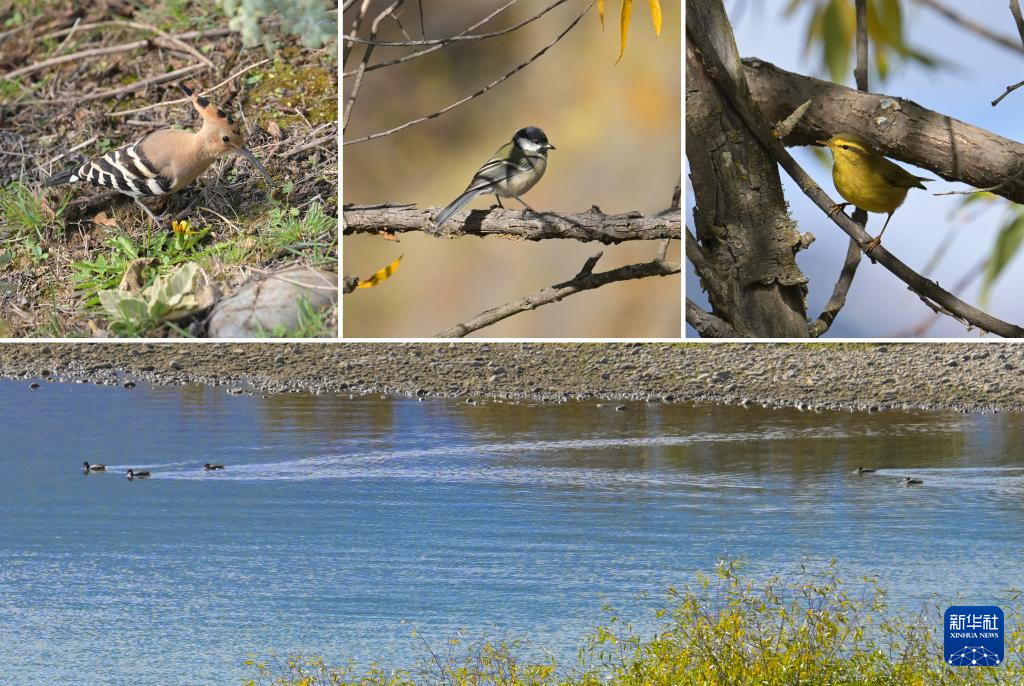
(164, 161)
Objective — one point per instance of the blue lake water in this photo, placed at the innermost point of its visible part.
(337, 520)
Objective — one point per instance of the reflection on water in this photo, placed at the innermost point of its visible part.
(337, 519)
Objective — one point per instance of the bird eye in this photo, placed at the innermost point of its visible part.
(226, 139)
(845, 147)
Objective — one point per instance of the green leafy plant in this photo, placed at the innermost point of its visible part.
(170, 297)
(729, 629)
(105, 271)
(310, 19)
(833, 26)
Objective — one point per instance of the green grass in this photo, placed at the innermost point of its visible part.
(26, 216)
(312, 235)
(811, 628)
(312, 324)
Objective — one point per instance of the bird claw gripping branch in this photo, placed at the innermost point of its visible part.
(167, 160)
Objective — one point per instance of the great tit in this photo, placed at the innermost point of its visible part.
(513, 170)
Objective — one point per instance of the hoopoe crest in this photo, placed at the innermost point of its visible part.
(165, 161)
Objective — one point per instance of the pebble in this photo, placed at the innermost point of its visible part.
(965, 377)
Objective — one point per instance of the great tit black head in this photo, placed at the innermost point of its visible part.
(531, 138)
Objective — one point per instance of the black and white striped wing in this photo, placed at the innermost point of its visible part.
(127, 170)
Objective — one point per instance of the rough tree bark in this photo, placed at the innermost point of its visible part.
(748, 241)
(592, 225)
(897, 128)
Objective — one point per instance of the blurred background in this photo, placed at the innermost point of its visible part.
(617, 130)
(937, 63)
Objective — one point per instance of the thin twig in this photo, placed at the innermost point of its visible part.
(374, 27)
(67, 38)
(356, 23)
(69, 151)
(584, 280)
(213, 33)
(84, 54)
(138, 85)
(181, 101)
(315, 143)
(1018, 19)
(453, 39)
(1009, 89)
(421, 53)
(991, 189)
(921, 329)
(483, 90)
(972, 25)
(752, 118)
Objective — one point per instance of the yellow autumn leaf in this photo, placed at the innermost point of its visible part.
(380, 275)
(627, 10)
(600, 12)
(656, 16)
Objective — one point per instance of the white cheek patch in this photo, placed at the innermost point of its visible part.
(527, 145)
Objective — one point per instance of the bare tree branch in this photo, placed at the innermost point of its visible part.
(1018, 19)
(923, 287)
(707, 324)
(421, 53)
(480, 92)
(835, 303)
(585, 280)
(592, 225)
(897, 128)
(972, 25)
(457, 38)
(356, 23)
(853, 255)
(374, 27)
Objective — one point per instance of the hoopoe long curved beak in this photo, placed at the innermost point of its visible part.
(252, 158)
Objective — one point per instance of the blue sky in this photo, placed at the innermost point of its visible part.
(880, 305)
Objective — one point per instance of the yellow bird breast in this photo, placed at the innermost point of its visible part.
(865, 188)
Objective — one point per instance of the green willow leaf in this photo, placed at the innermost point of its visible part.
(838, 39)
(1008, 242)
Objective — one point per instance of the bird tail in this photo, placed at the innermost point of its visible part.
(61, 178)
(455, 206)
(921, 181)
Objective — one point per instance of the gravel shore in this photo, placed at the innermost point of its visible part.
(958, 376)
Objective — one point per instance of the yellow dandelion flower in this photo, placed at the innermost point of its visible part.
(182, 227)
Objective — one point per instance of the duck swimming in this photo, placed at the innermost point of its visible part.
(211, 467)
(86, 467)
(863, 470)
(132, 474)
(907, 481)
